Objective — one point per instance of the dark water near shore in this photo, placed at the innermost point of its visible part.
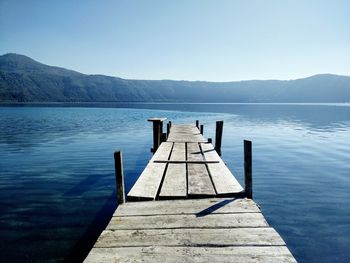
(57, 187)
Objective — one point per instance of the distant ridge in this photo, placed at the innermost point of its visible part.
(23, 79)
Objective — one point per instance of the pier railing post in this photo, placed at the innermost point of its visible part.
(119, 175)
(218, 136)
(163, 139)
(167, 129)
(202, 127)
(197, 124)
(248, 184)
(158, 135)
(161, 132)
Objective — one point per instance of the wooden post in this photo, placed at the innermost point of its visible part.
(163, 139)
(161, 131)
(167, 129)
(210, 140)
(248, 184)
(119, 175)
(218, 136)
(170, 124)
(156, 136)
(157, 132)
(197, 124)
(202, 127)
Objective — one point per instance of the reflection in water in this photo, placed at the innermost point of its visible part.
(57, 182)
(315, 116)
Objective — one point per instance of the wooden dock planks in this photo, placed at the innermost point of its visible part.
(199, 182)
(225, 183)
(174, 185)
(209, 229)
(185, 166)
(191, 206)
(185, 133)
(219, 229)
(187, 221)
(159, 254)
(191, 237)
(147, 185)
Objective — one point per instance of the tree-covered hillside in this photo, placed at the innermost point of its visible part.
(23, 79)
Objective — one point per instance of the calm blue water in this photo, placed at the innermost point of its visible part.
(57, 187)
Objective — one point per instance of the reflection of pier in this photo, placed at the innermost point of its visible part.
(193, 208)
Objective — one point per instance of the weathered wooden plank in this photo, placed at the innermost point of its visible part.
(184, 126)
(247, 254)
(147, 185)
(194, 152)
(181, 135)
(199, 182)
(188, 221)
(224, 181)
(199, 137)
(263, 236)
(183, 161)
(209, 152)
(163, 151)
(190, 206)
(186, 138)
(174, 184)
(184, 129)
(179, 152)
(185, 133)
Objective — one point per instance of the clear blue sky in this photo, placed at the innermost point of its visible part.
(183, 39)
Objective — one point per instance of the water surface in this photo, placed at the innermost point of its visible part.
(58, 189)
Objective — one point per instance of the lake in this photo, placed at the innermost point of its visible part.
(58, 187)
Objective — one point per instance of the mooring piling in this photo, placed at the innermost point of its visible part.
(201, 129)
(218, 136)
(157, 132)
(164, 137)
(119, 175)
(167, 129)
(248, 184)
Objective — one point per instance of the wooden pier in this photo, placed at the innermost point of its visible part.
(192, 210)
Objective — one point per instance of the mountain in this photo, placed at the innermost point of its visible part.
(23, 79)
